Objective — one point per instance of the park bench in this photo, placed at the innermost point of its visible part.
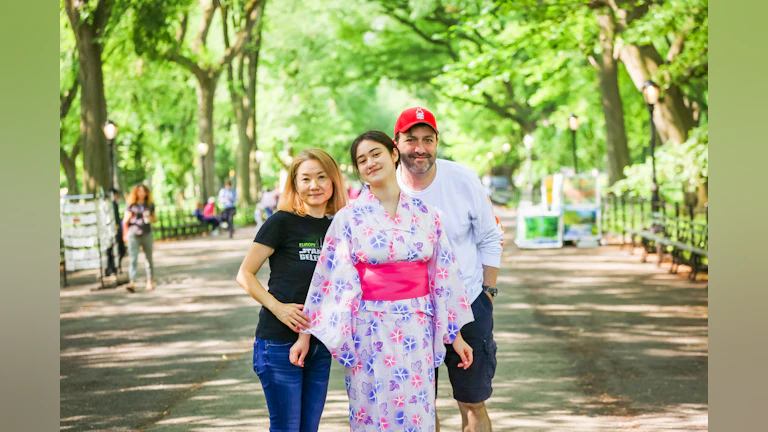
(179, 223)
(683, 239)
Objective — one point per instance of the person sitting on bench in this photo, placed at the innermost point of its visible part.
(213, 221)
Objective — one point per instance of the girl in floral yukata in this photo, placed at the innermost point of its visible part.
(385, 297)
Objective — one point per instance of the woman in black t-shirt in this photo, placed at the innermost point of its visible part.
(292, 240)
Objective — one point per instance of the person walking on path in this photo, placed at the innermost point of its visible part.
(476, 237)
(139, 217)
(292, 239)
(228, 199)
(114, 263)
(386, 296)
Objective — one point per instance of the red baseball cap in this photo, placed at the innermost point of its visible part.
(413, 116)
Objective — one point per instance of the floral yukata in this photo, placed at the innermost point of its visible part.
(389, 347)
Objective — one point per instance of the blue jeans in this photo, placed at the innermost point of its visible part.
(295, 395)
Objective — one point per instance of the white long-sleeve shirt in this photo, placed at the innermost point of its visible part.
(472, 228)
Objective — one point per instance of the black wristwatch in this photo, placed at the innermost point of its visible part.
(490, 290)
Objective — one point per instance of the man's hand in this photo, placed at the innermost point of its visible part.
(489, 295)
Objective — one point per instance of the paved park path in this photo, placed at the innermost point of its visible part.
(589, 340)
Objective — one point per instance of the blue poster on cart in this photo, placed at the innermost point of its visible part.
(581, 223)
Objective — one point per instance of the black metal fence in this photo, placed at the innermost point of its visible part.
(623, 213)
(668, 229)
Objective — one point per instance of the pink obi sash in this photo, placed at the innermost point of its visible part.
(393, 281)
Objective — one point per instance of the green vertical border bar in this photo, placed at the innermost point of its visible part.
(738, 213)
(29, 310)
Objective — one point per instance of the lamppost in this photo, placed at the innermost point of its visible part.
(528, 142)
(110, 132)
(573, 123)
(202, 148)
(651, 96)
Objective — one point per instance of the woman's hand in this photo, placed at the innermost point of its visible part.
(299, 350)
(291, 315)
(464, 350)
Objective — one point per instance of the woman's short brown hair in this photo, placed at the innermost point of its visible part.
(290, 201)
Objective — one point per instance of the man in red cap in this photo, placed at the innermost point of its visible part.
(476, 239)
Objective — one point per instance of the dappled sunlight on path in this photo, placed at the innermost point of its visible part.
(588, 339)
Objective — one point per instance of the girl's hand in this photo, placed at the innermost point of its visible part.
(291, 315)
(299, 350)
(464, 350)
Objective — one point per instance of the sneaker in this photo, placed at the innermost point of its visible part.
(150, 286)
(131, 287)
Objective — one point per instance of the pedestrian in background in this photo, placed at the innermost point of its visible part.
(139, 217)
(227, 200)
(269, 201)
(112, 263)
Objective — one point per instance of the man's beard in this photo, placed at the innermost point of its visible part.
(410, 163)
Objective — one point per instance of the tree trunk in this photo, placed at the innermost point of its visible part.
(253, 76)
(93, 106)
(242, 91)
(68, 163)
(241, 109)
(672, 118)
(255, 178)
(206, 89)
(702, 192)
(243, 163)
(610, 98)
(93, 111)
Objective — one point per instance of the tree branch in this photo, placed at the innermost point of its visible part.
(504, 112)
(64, 156)
(66, 99)
(489, 104)
(184, 19)
(253, 13)
(237, 101)
(678, 44)
(73, 14)
(187, 63)
(209, 8)
(393, 13)
(101, 16)
(594, 63)
(440, 17)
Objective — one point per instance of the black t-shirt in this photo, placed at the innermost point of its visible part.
(297, 241)
(136, 224)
